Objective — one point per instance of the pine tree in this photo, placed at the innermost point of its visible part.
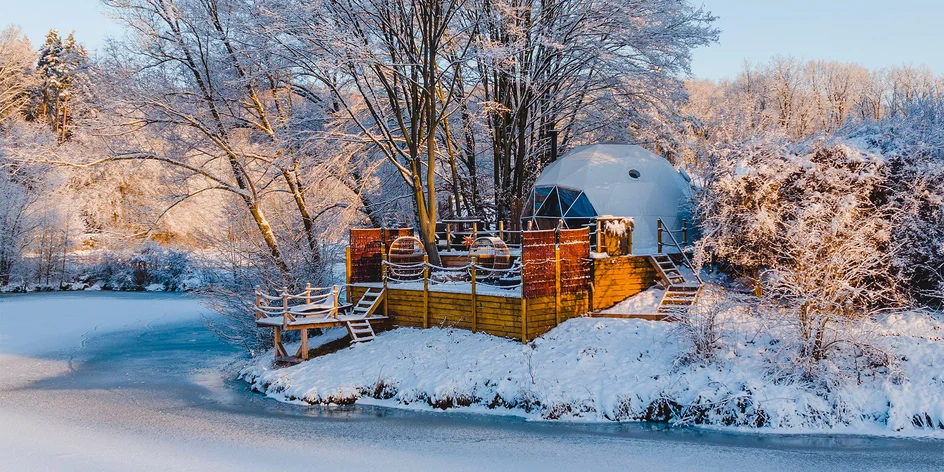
(50, 70)
(73, 86)
(63, 66)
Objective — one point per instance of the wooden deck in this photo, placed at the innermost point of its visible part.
(316, 309)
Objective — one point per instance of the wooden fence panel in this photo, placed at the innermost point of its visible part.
(537, 263)
(365, 251)
(575, 260)
(365, 255)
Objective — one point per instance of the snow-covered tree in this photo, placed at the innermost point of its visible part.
(809, 224)
(17, 76)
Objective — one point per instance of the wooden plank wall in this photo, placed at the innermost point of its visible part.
(614, 279)
(499, 316)
(542, 315)
(617, 278)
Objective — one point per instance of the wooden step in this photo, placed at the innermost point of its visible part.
(360, 330)
(677, 309)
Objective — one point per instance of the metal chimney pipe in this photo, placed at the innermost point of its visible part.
(553, 135)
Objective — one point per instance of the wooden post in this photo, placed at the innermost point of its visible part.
(684, 233)
(530, 224)
(383, 274)
(599, 237)
(557, 287)
(334, 300)
(659, 225)
(383, 258)
(448, 236)
(308, 293)
(524, 320)
(285, 307)
(629, 240)
(347, 273)
(475, 230)
(475, 307)
(303, 350)
(501, 230)
(277, 342)
(425, 291)
(524, 307)
(259, 313)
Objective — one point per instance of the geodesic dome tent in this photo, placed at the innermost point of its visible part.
(611, 179)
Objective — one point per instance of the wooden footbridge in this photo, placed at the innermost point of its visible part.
(316, 308)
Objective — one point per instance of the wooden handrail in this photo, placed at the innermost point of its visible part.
(684, 257)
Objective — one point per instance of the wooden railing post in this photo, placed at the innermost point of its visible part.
(475, 230)
(524, 301)
(383, 257)
(383, 274)
(557, 285)
(629, 240)
(308, 293)
(425, 291)
(659, 225)
(285, 314)
(684, 233)
(347, 273)
(448, 236)
(258, 304)
(475, 307)
(501, 230)
(599, 236)
(334, 300)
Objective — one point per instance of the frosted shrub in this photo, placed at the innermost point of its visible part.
(809, 226)
(146, 266)
(702, 328)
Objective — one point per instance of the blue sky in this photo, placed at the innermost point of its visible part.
(874, 33)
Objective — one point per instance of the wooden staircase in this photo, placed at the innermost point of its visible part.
(360, 329)
(680, 294)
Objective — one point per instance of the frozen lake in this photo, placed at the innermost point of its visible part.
(105, 381)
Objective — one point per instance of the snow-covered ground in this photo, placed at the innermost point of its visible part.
(628, 370)
(644, 303)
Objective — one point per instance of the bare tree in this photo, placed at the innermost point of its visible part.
(390, 65)
(185, 79)
(588, 69)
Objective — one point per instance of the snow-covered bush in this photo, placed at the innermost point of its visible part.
(812, 226)
(145, 267)
(702, 328)
(912, 142)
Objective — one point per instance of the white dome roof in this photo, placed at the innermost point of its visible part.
(602, 172)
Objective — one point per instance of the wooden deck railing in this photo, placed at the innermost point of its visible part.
(318, 302)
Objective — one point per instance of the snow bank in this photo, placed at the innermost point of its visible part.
(625, 370)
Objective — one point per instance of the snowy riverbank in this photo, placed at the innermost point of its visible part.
(631, 370)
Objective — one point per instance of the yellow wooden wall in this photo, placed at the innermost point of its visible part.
(614, 279)
(618, 278)
(542, 315)
(499, 316)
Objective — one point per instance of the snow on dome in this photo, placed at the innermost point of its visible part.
(611, 179)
